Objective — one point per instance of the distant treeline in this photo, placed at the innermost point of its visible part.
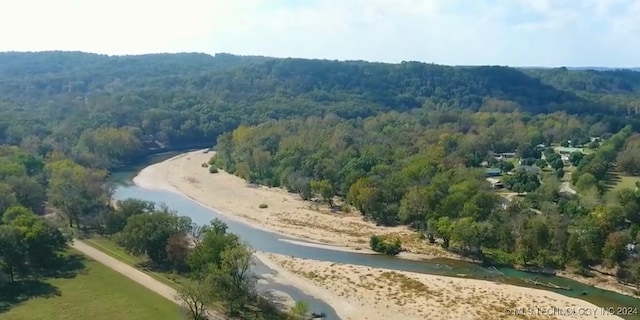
(57, 100)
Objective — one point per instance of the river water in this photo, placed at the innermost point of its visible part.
(271, 242)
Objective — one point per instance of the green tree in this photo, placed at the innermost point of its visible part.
(76, 191)
(522, 181)
(541, 163)
(364, 195)
(575, 251)
(443, 228)
(44, 242)
(29, 192)
(629, 200)
(13, 251)
(234, 280)
(7, 197)
(13, 213)
(324, 188)
(148, 234)
(300, 310)
(628, 161)
(415, 205)
(469, 234)
(196, 296)
(210, 242)
(615, 247)
(557, 164)
(586, 181)
(505, 166)
(108, 147)
(116, 220)
(576, 157)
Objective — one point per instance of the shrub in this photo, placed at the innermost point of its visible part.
(204, 165)
(378, 244)
(213, 169)
(212, 160)
(263, 206)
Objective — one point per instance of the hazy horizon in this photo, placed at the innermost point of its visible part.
(634, 68)
(539, 33)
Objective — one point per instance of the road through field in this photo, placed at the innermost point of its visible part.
(132, 273)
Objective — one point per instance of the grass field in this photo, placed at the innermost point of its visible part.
(111, 248)
(87, 290)
(616, 181)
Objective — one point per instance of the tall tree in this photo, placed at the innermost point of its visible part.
(77, 192)
(13, 251)
(196, 296)
(149, 233)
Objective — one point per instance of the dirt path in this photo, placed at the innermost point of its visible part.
(132, 273)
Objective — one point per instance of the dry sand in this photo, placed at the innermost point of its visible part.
(286, 213)
(363, 293)
(355, 292)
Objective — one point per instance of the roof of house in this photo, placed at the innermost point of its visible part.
(492, 170)
(568, 150)
(528, 168)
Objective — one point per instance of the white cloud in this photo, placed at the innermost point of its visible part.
(524, 32)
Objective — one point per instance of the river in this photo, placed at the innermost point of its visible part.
(271, 242)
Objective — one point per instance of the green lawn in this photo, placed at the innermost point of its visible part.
(89, 291)
(111, 248)
(617, 181)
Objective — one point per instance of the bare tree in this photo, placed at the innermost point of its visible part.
(195, 296)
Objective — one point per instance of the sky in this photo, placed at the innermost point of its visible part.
(454, 32)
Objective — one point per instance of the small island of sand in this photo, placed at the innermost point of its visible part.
(363, 293)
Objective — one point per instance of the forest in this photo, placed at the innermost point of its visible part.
(64, 100)
(48, 202)
(399, 169)
(403, 144)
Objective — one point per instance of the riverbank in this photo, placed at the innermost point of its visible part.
(606, 282)
(363, 293)
(285, 213)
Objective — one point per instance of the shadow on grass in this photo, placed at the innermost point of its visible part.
(13, 294)
(151, 266)
(66, 266)
(612, 178)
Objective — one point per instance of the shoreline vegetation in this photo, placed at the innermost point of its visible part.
(405, 144)
(286, 214)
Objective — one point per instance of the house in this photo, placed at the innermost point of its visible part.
(565, 152)
(492, 172)
(529, 169)
(568, 150)
(632, 249)
(496, 183)
(504, 155)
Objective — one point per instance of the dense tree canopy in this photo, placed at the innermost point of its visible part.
(86, 103)
(409, 143)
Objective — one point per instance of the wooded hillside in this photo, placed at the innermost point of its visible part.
(408, 143)
(54, 98)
